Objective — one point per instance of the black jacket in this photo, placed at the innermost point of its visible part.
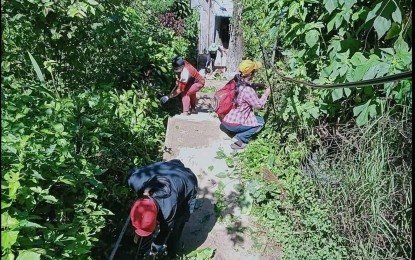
(171, 185)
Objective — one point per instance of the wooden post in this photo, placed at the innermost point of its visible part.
(208, 27)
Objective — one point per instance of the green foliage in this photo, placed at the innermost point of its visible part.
(220, 205)
(329, 42)
(201, 254)
(116, 42)
(49, 190)
(79, 91)
(325, 42)
(288, 205)
(375, 189)
(56, 156)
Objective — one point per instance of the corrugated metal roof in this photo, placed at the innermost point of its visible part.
(222, 8)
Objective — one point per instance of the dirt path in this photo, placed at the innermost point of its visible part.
(197, 140)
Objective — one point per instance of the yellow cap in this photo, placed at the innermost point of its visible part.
(247, 66)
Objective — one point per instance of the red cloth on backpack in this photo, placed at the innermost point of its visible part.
(223, 100)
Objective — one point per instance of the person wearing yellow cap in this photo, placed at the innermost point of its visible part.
(167, 195)
(241, 120)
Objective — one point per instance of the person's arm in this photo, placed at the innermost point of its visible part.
(175, 92)
(180, 85)
(253, 100)
(165, 230)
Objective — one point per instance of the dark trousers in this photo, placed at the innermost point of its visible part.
(174, 243)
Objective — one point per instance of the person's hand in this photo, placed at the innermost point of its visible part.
(157, 249)
(268, 91)
(164, 99)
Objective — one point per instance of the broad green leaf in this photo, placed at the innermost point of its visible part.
(402, 51)
(221, 175)
(245, 202)
(358, 109)
(8, 238)
(5, 205)
(363, 113)
(14, 184)
(372, 111)
(92, 10)
(347, 91)
(343, 55)
(397, 15)
(315, 112)
(37, 68)
(92, 2)
(58, 127)
(330, 5)
(50, 199)
(10, 149)
(71, 13)
(330, 25)
(337, 94)
(388, 51)
(372, 13)
(50, 149)
(163, 69)
(46, 131)
(311, 37)
(8, 222)
(349, 3)
(371, 72)
(28, 255)
(393, 31)
(381, 25)
(342, 70)
(29, 224)
(293, 9)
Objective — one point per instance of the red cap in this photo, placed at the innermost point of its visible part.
(144, 216)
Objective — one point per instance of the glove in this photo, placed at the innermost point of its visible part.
(157, 249)
(164, 99)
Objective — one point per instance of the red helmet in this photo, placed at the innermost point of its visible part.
(144, 216)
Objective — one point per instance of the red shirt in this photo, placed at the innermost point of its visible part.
(189, 76)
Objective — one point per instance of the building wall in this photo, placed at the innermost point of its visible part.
(210, 22)
(208, 26)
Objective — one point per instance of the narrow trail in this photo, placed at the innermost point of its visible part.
(196, 140)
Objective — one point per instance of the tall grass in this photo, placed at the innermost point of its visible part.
(372, 202)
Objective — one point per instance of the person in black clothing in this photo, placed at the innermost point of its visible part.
(167, 192)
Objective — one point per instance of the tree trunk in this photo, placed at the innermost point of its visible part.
(235, 50)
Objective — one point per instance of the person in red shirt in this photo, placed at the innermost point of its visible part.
(189, 82)
(241, 120)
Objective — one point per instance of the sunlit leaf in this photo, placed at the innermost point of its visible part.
(36, 67)
(8, 238)
(311, 37)
(28, 255)
(397, 15)
(337, 94)
(381, 25)
(330, 5)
